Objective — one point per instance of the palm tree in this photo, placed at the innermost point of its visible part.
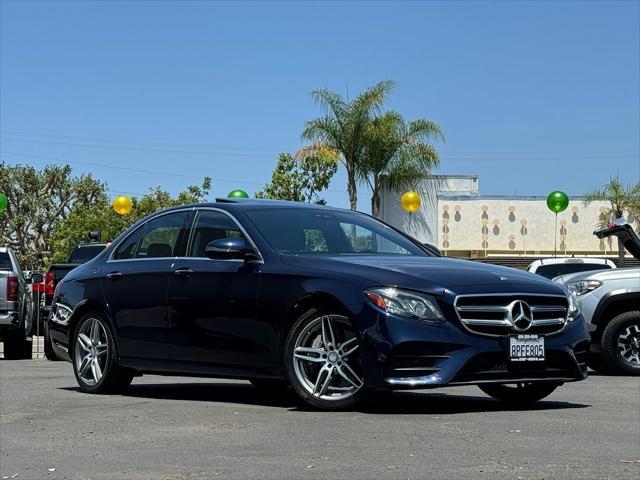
(397, 153)
(621, 200)
(342, 127)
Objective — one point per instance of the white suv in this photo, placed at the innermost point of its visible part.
(610, 303)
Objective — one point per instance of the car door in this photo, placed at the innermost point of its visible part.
(212, 303)
(134, 282)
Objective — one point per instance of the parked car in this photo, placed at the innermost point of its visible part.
(610, 302)
(332, 302)
(16, 307)
(554, 267)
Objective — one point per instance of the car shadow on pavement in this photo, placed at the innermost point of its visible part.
(417, 402)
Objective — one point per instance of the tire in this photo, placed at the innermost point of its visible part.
(322, 374)
(623, 329)
(48, 346)
(94, 357)
(521, 393)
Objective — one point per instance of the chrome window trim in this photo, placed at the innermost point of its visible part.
(496, 323)
(240, 227)
(144, 225)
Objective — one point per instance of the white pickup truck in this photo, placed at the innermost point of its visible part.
(16, 307)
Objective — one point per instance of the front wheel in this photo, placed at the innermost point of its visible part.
(620, 344)
(323, 362)
(519, 393)
(94, 357)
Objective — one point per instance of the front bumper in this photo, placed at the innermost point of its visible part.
(400, 353)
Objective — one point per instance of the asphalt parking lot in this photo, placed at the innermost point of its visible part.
(176, 429)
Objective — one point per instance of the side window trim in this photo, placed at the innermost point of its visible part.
(144, 225)
(234, 220)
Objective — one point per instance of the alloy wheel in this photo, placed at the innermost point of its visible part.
(629, 344)
(91, 351)
(325, 358)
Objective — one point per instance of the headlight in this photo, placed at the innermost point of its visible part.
(574, 308)
(61, 314)
(406, 304)
(586, 286)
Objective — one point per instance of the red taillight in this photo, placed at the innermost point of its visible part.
(49, 286)
(12, 289)
(37, 287)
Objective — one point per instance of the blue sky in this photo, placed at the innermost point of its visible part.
(533, 96)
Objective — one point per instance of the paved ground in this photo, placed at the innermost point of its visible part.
(178, 429)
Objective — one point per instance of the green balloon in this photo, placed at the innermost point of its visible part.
(238, 194)
(557, 201)
(3, 202)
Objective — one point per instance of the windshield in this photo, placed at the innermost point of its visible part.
(318, 231)
(85, 253)
(555, 270)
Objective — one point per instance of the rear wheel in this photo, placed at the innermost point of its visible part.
(620, 344)
(519, 393)
(322, 361)
(95, 359)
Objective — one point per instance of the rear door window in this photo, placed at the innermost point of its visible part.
(5, 261)
(164, 236)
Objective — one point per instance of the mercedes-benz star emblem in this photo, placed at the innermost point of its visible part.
(520, 315)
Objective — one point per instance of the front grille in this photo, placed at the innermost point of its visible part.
(492, 314)
(494, 367)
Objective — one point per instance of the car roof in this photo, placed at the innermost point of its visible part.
(259, 203)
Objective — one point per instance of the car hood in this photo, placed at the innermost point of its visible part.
(421, 272)
(632, 273)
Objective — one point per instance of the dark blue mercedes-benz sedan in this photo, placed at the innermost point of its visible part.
(333, 303)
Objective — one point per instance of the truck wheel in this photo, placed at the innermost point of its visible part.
(48, 347)
(17, 347)
(620, 344)
(94, 357)
(520, 393)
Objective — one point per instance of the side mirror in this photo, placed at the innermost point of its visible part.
(36, 278)
(433, 249)
(228, 248)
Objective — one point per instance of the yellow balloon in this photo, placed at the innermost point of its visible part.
(122, 205)
(410, 202)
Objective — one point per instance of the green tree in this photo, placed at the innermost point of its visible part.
(397, 153)
(101, 216)
(342, 128)
(39, 200)
(300, 180)
(622, 200)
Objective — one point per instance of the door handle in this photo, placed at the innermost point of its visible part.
(113, 276)
(183, 272)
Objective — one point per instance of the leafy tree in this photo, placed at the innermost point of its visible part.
(75, 227)
(39, 200)
(300, 180)
(621, 200)
(397, 153)
(343, 126)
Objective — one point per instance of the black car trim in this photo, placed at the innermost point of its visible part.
(612, 296)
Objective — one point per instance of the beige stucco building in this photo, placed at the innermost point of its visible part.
(461, 222)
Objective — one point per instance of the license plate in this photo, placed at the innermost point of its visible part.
(526, 348)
